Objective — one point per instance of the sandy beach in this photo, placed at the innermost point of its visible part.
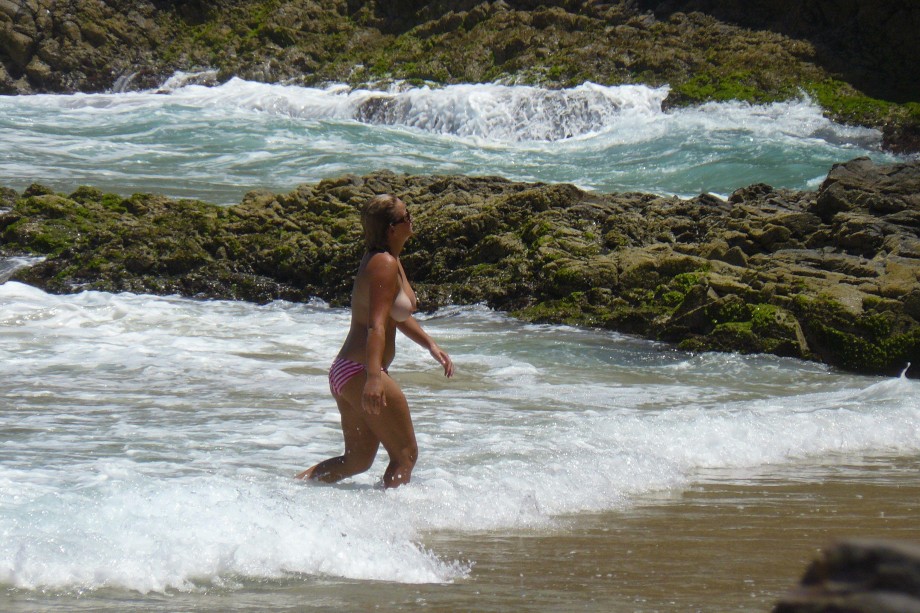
(719, 546)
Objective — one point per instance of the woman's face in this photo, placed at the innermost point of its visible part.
(403, 219)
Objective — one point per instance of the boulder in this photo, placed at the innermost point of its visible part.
(10, 8)
(8, 198)
(859, 576)
(6, 82)
(864, 186)
(38, 71)
(18, 47)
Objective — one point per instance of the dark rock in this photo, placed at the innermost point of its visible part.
(10, 7)
(8, 198)
(38, 71)
(6, 81)
(735, 256)
(859, 234)
(17, 46)
(871, 43)
(94, 34)
(781, 330)
(693, 314)
(912, 304)
(37, 189)
(751, 192)
(772, 237)
(859, 576)
(901, 138)
(878, 190)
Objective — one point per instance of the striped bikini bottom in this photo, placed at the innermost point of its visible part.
(342, 371)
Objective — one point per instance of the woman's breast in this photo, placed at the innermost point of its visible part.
(403, 306)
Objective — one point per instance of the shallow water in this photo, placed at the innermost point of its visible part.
(722, 545)
(148, 447)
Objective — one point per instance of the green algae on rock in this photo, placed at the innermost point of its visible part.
(832, 275)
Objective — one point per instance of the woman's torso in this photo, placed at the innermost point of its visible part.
(355, 346)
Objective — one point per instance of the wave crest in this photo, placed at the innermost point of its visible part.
(501, 113)
(510, 114)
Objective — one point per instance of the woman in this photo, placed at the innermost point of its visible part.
(373, 408)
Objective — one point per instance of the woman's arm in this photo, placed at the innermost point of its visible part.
(413, 330)
(382, 279)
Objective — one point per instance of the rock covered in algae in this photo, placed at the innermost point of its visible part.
(832, 275)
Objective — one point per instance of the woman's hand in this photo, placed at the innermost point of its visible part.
(443, 359)
(374, 398)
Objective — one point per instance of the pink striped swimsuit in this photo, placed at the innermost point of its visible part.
(342, 371)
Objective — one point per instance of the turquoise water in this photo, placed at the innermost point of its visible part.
(218, 143)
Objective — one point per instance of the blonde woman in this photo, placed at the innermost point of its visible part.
(373, 408)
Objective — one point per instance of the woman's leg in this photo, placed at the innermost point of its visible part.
(360, 445)
(393, 427)
(364, 433)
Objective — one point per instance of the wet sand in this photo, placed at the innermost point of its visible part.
(716, 547)
(719, 546)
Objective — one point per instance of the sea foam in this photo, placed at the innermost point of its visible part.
(149, 442)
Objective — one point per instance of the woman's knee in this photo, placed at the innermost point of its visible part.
(408, 455)
(363, 464)
(360, 460)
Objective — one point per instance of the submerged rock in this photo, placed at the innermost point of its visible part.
(859, 576)
(832, 275)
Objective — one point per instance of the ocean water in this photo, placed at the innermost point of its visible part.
(147, 444)
(217, 143)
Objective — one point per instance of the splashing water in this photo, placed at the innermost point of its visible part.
(149, 443)
(216, 143)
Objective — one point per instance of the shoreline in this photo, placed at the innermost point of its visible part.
(718, 546)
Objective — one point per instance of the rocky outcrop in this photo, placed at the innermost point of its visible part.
(859, 576)
(85, 45)
(832, 275)
(78, 45)
(88, 45)
(871, 44)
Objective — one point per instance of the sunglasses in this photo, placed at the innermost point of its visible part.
(406, 219)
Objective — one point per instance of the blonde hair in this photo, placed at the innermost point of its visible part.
(376, 218)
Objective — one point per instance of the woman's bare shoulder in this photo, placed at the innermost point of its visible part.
(381, 264)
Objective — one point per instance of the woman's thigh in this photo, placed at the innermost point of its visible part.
(360, 439)
(392, 426)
